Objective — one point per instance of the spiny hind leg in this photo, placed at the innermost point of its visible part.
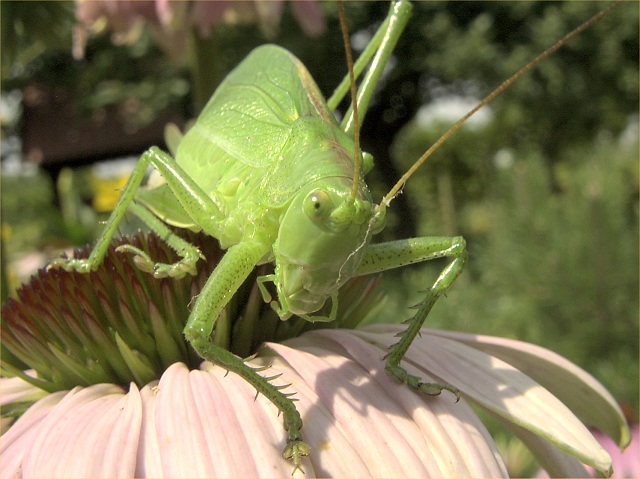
(225, 280)
(295, 449)
(385, 256)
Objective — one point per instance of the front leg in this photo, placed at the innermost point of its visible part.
(197, 204)
(102, 244)
(394, 254)
(225, 280)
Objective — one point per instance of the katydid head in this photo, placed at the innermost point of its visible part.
(328, 225)
(320, 243)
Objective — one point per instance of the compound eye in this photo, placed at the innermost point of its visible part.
(318, 205)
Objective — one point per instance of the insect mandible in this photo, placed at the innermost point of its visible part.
(268, 171)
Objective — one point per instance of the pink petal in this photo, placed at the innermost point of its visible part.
(208, 424)
(501, 389)
(625, 463)
(551, 459)
(269, 14)
(91, 432)
(462, 433)
(213, 400)
(449, 438)
(260, 434)
(178, 427)
(362, 412)
(595, 406)
(21, 435)
(17, 390)
(333, 454)
(149, 461)
(164, 11)
(310, 17)
(207, 14)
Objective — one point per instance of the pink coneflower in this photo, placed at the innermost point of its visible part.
(625, 463)
(170, 21)
(120, 393)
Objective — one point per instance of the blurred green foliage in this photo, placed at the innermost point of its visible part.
(31, 31)
(139, 78)
(546, 192)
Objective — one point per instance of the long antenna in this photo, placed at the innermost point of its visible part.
(401, 182)
(354, 102)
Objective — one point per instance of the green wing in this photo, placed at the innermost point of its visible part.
(163, 203)
(246, 131)
(251, 114)
(265, 133)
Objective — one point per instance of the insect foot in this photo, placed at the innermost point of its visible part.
(434, 389)
(71, 264)
(295, 451)
(162, 270)
(415, 383)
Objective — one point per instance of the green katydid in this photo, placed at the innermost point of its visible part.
(267, 170)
